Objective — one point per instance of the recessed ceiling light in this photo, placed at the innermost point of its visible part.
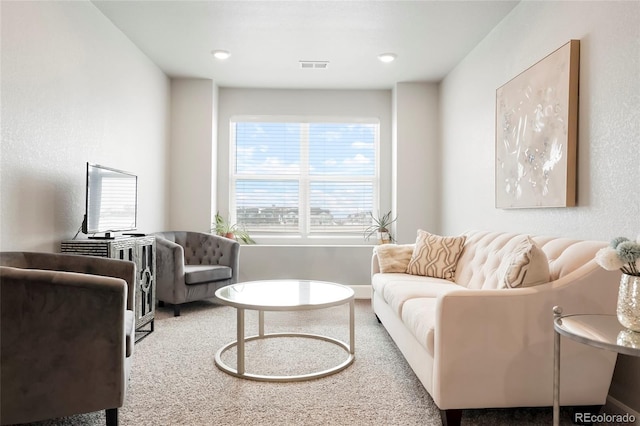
(220, 54)
(387, 57)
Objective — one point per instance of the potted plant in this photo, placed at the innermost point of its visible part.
(380, 227)
(225, 229)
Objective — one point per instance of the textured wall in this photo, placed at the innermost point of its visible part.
(609, 120)
(348, 265)
(416, 159)
(74, 89)
(192, 166)
(608, 139)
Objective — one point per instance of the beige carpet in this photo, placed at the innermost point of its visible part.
(175, 381)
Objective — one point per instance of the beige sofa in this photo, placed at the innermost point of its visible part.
(473, 345)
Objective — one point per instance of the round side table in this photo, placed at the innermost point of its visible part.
(600, 331)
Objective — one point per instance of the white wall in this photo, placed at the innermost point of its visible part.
(192, 164)
(609, 120)
(609, 130)
(74, 89)
(416, 160)
(348, 265)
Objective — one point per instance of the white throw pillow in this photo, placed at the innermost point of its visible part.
(525, 266)
(393, 258)
(435, 256)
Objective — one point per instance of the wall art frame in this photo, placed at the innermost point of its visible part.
(537, 133)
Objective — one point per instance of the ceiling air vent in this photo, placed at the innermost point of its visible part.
(311, 65)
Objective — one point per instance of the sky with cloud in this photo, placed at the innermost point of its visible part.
(338, 158)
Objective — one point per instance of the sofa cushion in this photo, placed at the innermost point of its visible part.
(396, 289)
(435, 256)
(394, 258)
(197, 274)
(380, 281)
(419, 316)
(525, 266)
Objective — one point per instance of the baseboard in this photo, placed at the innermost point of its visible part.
(362, 291)
(613, 406)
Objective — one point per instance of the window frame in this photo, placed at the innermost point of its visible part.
(305, 235)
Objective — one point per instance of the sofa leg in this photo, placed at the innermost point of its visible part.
(451, 417)
(176, 310)
(378, 318)
(160, 304)
(112, 416)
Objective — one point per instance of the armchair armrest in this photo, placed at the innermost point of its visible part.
(92, 265)
(169, 267)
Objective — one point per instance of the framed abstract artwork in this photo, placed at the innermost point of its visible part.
(536, 133)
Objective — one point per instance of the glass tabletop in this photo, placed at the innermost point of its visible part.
(284, 294)
(602, 331)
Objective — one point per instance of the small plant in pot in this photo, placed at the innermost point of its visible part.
(380, 227)
(226, 229)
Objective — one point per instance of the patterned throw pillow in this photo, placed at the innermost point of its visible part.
(525, 266)
(435, 256)
(394, 258)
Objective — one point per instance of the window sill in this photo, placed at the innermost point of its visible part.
(315, 241)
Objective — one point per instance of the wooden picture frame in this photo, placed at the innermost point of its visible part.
(537, 132)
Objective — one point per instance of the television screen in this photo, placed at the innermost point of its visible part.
(111, 201)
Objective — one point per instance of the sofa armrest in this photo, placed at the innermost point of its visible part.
(375, 263)
(492, 337)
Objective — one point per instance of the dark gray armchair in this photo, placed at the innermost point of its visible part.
(67, 335)
(193, 265)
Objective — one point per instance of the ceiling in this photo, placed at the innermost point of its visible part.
(268, 39)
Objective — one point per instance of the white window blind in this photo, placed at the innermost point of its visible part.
(304, 177)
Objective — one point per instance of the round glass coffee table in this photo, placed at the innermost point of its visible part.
(284, 295)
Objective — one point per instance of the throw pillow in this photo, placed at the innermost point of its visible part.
(435, 256)
(525, 266)
(393, 257)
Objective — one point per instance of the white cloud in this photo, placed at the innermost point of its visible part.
(362, 145)
(357, 159)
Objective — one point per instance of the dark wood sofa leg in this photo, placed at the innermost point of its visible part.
(160, 304)
(379, 322)
(112, 416)
(451, 417)
(176, 310)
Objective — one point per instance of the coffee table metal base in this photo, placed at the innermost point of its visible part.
(300, 377)
(241, 340)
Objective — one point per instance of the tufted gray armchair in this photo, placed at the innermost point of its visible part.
(67, 326)
(193, 265)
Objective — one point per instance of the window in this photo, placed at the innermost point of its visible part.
(303, 177)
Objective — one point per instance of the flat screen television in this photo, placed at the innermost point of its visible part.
(111, 201)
